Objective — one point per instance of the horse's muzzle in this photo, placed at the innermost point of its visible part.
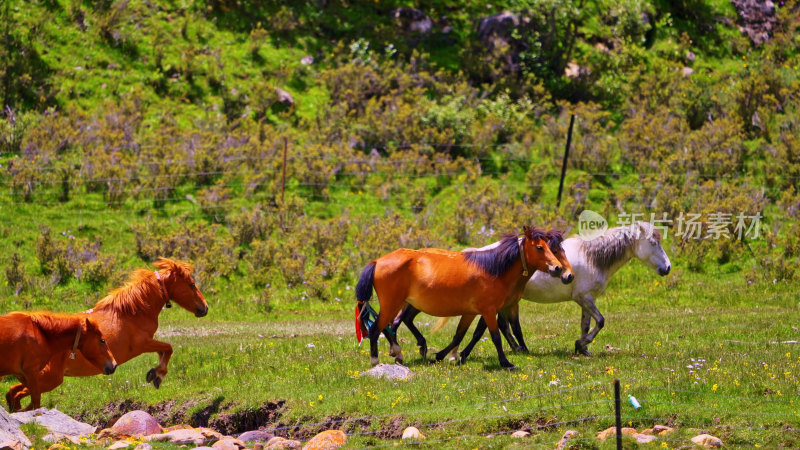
(109, 369)
(201, 311)
(568, 278)
(555, 271)
(664, 270)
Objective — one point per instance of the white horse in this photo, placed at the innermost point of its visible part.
(593, 262)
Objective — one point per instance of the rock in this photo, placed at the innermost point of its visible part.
(644, 438)
(195, 436)
(567, 436)
(412, 20)
(758, 17)
(327, 440)
(497, 29)
(660, 430)
(520, 434)
(119, 445)
(687, 71)
(137, 423)
(284, 97)
(256, 435)
(390, 371)
(144, 446)
(603, 435)
(707, 440)
(9, 430)
(58, 447)
(11, 445)
(282, 443)
(229, 443)
(60, 425)
(413, 433)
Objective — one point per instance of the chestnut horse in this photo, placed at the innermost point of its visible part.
(128, 318)
(443, 283)
(32, 340)
(554, 239)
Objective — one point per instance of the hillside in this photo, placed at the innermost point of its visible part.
(144, 129)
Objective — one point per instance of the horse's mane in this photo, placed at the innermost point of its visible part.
(53, 324)
(141, 286)
(498, 260)
(554, 239)
(606, 250)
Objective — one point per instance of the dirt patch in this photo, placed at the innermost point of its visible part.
(248, 419)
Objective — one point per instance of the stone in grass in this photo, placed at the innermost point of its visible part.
(59, 425)
(256, 436)
(611, 431)
(195, 436)
(11, 445)
(120, 445)
(390, 371)
(136, 423)
(707, 440)
(520, 434)
(644, 438)
(567, 436)
(413, 433)
(229, 443)
(144, 446)
(327, 440)
(658, 430)
(282, 443)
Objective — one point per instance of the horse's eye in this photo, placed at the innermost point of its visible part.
(103, 341)
(539, 247)
(653, 243)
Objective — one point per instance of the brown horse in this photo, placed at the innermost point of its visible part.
(32, 340)
(444, 284)
(554, 239)
(128, 318)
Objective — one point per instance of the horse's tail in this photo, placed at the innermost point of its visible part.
(364, 285)
(365, 314)
(440, 324)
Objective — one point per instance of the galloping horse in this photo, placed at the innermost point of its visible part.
(554, 239)
(444, 284)
(594, 263)
(32, 340)
(128, 318)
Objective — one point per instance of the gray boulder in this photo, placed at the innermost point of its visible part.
(9, 430)
(391, 371)
(60, 425)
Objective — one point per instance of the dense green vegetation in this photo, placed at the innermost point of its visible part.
(142, 129)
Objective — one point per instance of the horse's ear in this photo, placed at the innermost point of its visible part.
(527, 231)
(85, 325)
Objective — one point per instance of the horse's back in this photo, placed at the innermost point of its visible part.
(18, 338)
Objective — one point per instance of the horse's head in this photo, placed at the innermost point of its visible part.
(93, 347)
(538, 254)
(180, 286)
(647, 248)
(554, 240)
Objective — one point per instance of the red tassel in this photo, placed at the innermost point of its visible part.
(358, 323)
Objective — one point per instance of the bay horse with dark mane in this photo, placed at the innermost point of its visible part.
(128, 318)
(444, 283)
(32, 340)
(554, 239)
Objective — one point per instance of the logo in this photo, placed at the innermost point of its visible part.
(591, 225)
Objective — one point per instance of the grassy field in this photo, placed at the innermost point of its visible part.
(701, 352)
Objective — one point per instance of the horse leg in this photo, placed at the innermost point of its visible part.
(394, 347)
(505, 330)
(463, 326)
(385, 316)
(156, 374)
(476, 336)
(407, 317)
(513, 317)
(15, 404)
(589, 312)
(35, 392)
(491, 323)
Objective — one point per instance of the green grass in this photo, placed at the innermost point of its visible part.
(746, 390)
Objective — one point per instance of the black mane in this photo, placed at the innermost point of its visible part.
(554, 239)
(498, 260)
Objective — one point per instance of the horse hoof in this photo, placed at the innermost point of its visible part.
(151, 375)
(423, 351)
(398, 361)
(157, 382)
(510, 367)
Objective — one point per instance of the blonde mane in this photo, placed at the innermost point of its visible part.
(142, 286)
